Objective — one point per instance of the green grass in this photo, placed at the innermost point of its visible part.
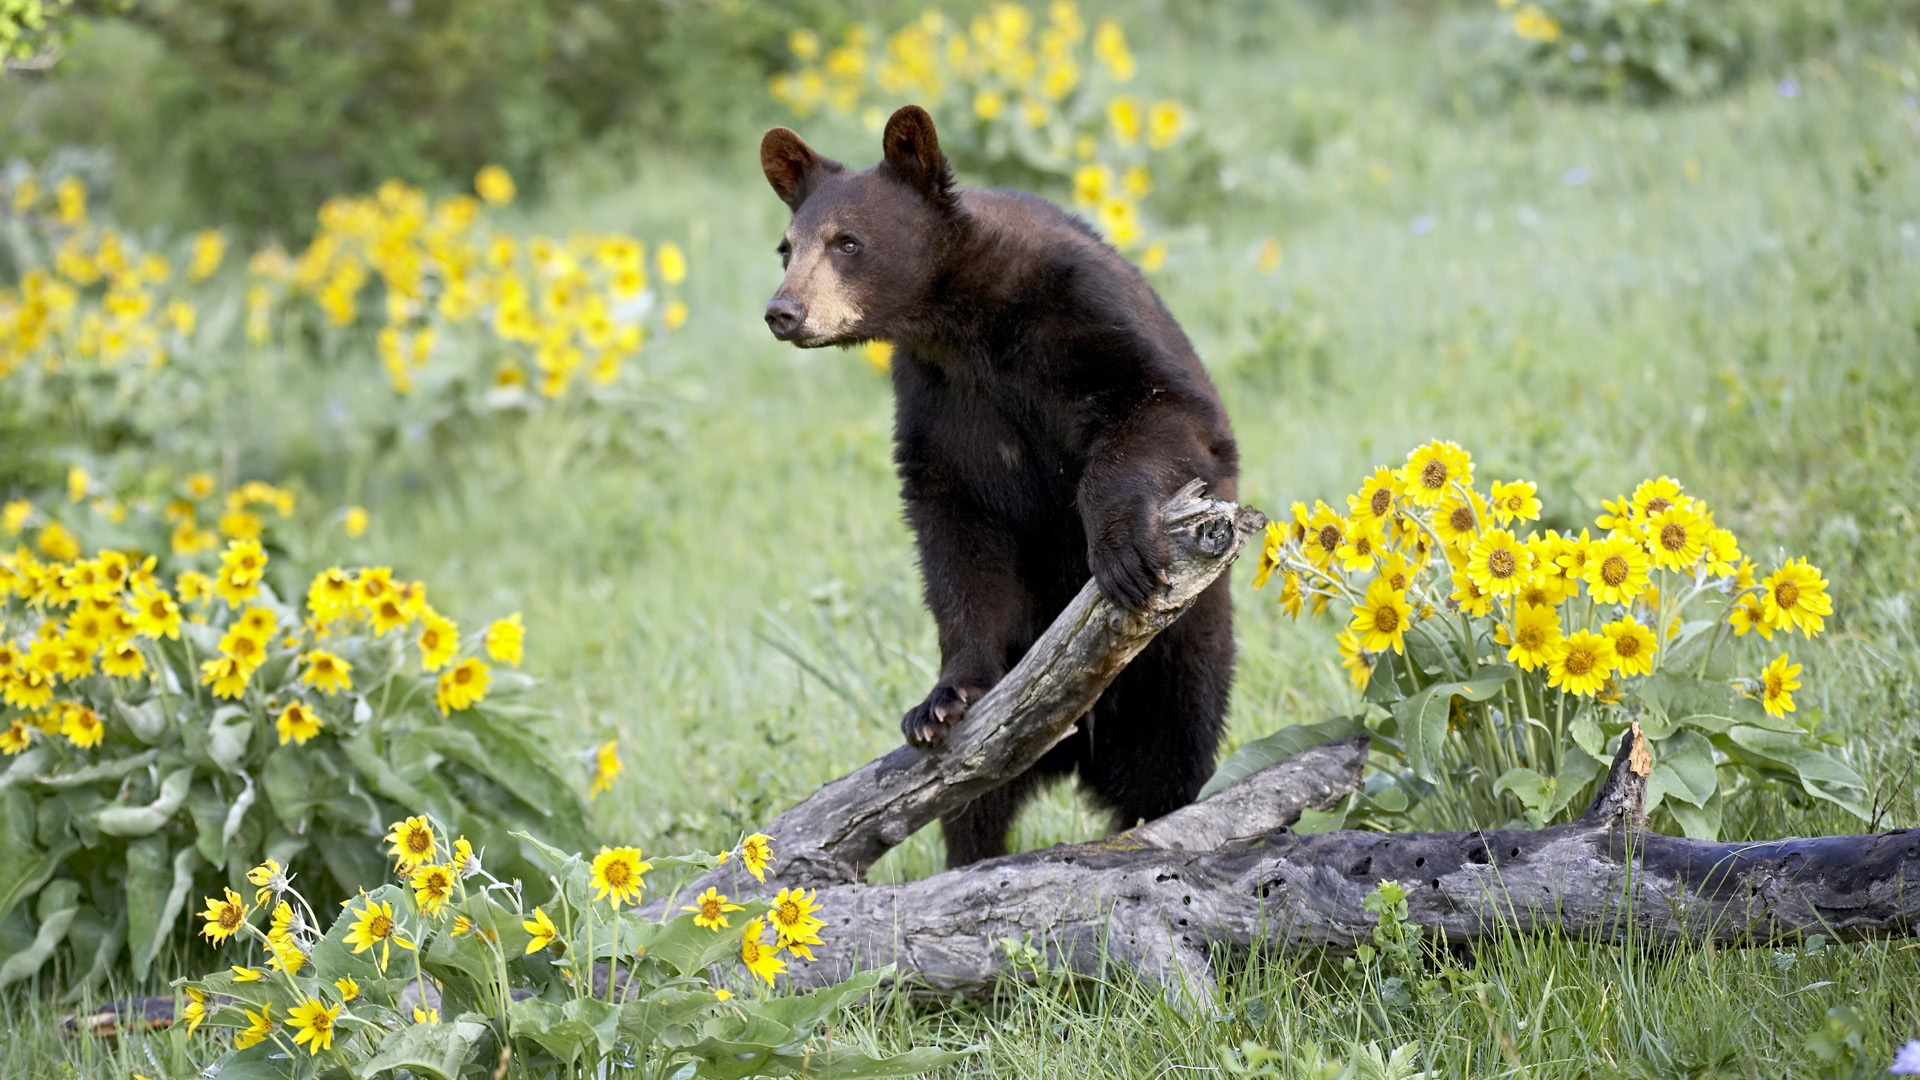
(737, 599)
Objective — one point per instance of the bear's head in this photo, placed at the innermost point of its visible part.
(862, 250)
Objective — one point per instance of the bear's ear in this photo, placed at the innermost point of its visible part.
(913, 153)
(791, 165)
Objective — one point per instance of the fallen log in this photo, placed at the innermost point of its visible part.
(1164, 911)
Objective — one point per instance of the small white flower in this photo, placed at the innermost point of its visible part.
(1906, 1061)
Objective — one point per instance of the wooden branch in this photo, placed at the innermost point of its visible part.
(1163, 911)
(834, 835)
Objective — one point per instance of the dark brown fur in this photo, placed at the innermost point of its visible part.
(1046, 404)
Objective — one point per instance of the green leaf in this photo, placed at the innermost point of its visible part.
(145, 820)
(1423, 717)
(1528, 786)
(1277, 747)
(805, 1012)
(1698, 822)
(380, 775)
(1682, 768)
(1576, 772)
(149, 881)
(59, 905)
(647, 1020)
(439, 1050)
(1817, 772)
(566, 1031)
(93, 774)
(846, 1063)
(28, 870)
(228, 734)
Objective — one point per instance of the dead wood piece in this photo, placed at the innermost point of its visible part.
(1163, 911)
(834, 835)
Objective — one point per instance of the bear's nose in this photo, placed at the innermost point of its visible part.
(784, 317)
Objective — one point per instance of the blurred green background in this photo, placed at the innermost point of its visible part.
(1677, 237)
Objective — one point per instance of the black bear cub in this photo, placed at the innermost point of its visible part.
(1045, 406)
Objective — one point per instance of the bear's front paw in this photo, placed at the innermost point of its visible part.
(1133, 570)
(926, 724)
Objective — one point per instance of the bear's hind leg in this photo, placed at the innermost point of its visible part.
(1155, 733)
(979, 830)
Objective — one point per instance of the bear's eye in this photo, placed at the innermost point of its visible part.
(786, 253)
(847, 244)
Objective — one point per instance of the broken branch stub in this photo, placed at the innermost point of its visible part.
(834, 835)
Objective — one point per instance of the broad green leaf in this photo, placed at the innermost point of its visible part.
(1817, 772)
(1277, 747)
(107, 938)
(804, 1012)
(1528, 786)
(149, 881)
(1588, 736)
(566, 1031)
(1322, 821)
(1682, 768)
(1423, 717)
(439, 1050)
(228, 734)
(1698, 822)
(380, 775)
(846, 1063)
(146, 820)
(28, 870)
(93, 774)
(649, 1019)
(1577, 770)
(289, 782)
(25, 767)
(59, 905)
(147, 721)
(688, 949)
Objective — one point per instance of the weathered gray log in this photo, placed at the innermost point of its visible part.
(1163, 911)
(834, 835)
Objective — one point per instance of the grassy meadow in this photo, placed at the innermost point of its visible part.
(1586, 295)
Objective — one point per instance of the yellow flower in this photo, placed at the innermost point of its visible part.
(194, 1012)
(1326, 532)
(674, 315)
(1469, 597)
(1748, 615)
(1722, 552)
(1515, 501)
(1433, 469)
(243, 648)
(1275, 540)
(1652, 498)
(14, 515)
(672, 262)
(461, 686)
(494, 185)
(439, 640)
(374, 925)
(1291, 599)
(793, 921)
(1795, 598)
(1165, 121)
(1380, 620)
(349, 989)
(1616, 570)
(1498, 563)
(224, 917)
(710, 909)
(542, 929)
(354, 521)
(155, 614)
(330, 596)
(16, 737)
(462, 855)
(606, 766)
(285, 952)
(1358, 665)
(1633, 646)
(1777, 683)
(81, 726)
(122, 659)
(55, 542)
(756, 956)
(1676, 536)
(1458, 521)
(425, 1016)
(412, 842)
(299, 723)
(756, 853)
(1533, 24)
(1581, 662)
(432, 887)
(246, 974)
(209, 248)
(1378, 495)
(505, 640)
(256, 1032)
(1536, 633)
(618, 873)
(1364, 542)
(270, 876)
(326, 672)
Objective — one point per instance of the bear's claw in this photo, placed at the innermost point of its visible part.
(926, 724)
